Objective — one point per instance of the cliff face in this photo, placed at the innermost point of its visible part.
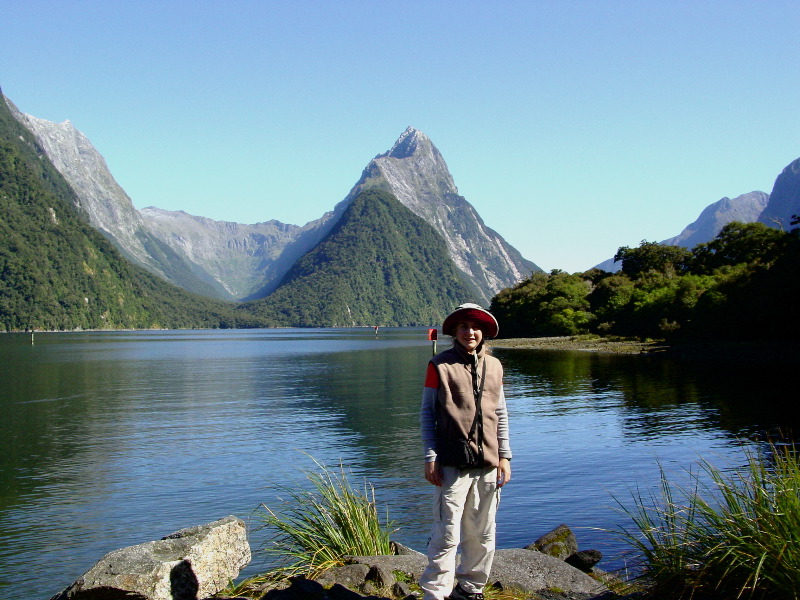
(104, 202)
(416, 173)
(784, 201)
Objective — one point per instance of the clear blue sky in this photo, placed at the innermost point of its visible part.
(573, 127)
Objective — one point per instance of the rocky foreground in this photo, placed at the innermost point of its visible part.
(201, 562)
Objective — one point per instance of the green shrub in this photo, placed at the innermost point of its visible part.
(733, 537)
(316, 528)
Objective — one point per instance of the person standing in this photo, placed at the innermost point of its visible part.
(465, 433)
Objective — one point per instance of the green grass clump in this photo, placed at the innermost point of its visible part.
(316, 528)
(733, 537)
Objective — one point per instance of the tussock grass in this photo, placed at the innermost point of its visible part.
(314, 529)
(735, 536)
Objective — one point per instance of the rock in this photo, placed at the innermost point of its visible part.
(369, 589)
(410, 564)
(300, 589)
(401, 589)
(191, 563)
(381, 576)
(398, 549)
(584, 560)
(534, 572)
(350, 576)
(560, 543)
(339, 592)
(527, 570)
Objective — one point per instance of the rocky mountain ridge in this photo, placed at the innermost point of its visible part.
(416, 173)
(746, 208)
(248, 261)
(784, 201)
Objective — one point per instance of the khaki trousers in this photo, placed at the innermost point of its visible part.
(464, 511)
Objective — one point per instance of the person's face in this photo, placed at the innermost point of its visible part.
(468, 335)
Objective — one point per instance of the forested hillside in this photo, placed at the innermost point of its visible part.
(742, 285)
(57, 272)
(380, 265)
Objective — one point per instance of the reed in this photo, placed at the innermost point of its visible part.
(726, 535)
(315, 528)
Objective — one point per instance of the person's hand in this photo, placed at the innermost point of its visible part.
(433, 472)
(503, 472)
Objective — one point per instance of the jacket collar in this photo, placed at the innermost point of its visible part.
(467, 357)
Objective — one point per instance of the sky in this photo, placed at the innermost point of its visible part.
(573, 127)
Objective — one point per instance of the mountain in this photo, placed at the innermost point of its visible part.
(745, 208)
(379, 265)
(784, 201)
(58, 272)
(236, 261)
(107, 206)
(416, 173)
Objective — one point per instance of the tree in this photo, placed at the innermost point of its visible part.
(652, 256)
(737, 243)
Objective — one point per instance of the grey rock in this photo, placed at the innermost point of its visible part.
(560, 543)
(400, 549)
(534, 572)
(196, 562)
(410, 564)
(401, 589)
(368, 588)
(350, 576)
(584, 559)
(381, 576)
(526, 570)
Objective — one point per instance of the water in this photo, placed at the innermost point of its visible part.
(113, 439)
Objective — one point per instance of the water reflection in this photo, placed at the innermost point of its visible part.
(110, 439)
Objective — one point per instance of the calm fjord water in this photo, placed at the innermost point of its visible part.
(112, 439)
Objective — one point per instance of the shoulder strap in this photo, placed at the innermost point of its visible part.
(477, 390)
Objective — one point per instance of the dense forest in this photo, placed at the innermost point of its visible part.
(742, 285)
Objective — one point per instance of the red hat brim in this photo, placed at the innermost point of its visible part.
(486, 321)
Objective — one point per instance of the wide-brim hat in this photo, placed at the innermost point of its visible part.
(471, 312)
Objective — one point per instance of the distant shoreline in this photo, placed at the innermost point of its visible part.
(774, 352)
(582, 343)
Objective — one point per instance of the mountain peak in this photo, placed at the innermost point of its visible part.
(416, 173)
(410, 142)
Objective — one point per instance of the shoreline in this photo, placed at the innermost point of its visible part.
(754, 352)
(582, 343)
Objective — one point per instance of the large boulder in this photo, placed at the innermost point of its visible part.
(192, 563)
(533, 571)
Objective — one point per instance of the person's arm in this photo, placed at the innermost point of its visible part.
(503, 441)
(427, 421)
